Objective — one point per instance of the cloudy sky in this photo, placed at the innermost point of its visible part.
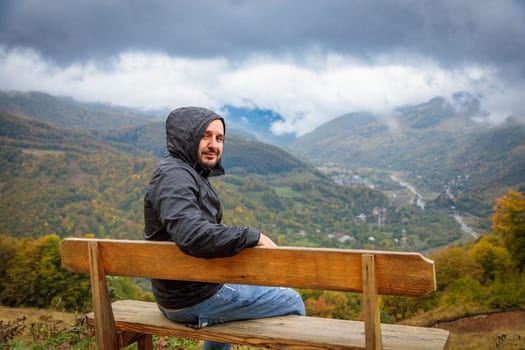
(308, 60)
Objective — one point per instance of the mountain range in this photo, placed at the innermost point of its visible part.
(72, 154)
(436, 145)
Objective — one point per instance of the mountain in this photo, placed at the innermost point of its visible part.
(74, 182)
(132, 131)
(433, 142)
(28, 133)
(68, 113)
(242, 155)
(438, 145)
(493, 158)
(412, 135)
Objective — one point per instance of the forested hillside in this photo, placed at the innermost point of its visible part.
(68, 113)
(65, 182)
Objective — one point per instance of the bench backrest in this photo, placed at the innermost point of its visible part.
(397, 273)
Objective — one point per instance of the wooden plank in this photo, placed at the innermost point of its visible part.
(397, 273)
(370, 309)
(144, 341)
(105, 330)
(286, 332)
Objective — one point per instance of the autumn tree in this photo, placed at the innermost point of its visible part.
(492, 256)
(452, 263)
(508, 221)
(8, 248)
(34, 276)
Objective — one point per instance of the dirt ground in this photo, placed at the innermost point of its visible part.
(502, 330)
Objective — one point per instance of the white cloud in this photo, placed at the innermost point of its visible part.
(306, 91)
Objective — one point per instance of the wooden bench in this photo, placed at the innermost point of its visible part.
(368, 272)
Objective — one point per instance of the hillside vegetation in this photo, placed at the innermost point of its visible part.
(66, 112)
(473, 278)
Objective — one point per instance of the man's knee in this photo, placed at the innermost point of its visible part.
(297, 302)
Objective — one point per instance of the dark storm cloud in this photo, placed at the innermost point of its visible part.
(489, 32)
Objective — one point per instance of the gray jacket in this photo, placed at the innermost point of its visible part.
(181, 206)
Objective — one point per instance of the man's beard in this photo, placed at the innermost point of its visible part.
(210, 163)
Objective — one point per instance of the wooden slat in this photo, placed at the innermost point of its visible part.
(409, 274)
(105, 324)
(286, 332)
(371, 305)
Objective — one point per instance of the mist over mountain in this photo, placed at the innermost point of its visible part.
(442, 146)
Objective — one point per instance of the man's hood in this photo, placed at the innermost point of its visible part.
(184, 129)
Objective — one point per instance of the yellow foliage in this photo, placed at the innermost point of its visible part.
(493, 257)
(508, 221)
(453, 263)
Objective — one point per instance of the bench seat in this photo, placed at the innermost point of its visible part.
(285, 332)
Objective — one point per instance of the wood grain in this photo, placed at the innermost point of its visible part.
(371, 305)
(397, 273)
(101, 302)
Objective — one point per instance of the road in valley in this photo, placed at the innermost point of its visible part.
(421, 203)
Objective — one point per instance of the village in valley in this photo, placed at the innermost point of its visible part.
(347, 177)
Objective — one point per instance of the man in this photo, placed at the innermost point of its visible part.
(181, 206)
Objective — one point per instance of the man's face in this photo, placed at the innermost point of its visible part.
(210, 146)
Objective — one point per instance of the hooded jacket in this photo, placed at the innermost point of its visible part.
(181, 206)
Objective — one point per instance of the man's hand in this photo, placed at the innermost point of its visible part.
(265, 241)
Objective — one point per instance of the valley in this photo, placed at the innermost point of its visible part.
(403, 195)
(419, 201)
(415, 198)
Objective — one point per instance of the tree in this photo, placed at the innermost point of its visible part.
(452, 263)
(492, 256)
(8, 249)
(35, 277)
(508, 221)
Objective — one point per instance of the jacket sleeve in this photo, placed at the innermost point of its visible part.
(175, 198)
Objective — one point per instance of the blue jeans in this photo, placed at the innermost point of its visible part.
(238, 302)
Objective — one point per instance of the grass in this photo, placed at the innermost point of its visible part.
(29, 328)
(39, 329)
(48, 329)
